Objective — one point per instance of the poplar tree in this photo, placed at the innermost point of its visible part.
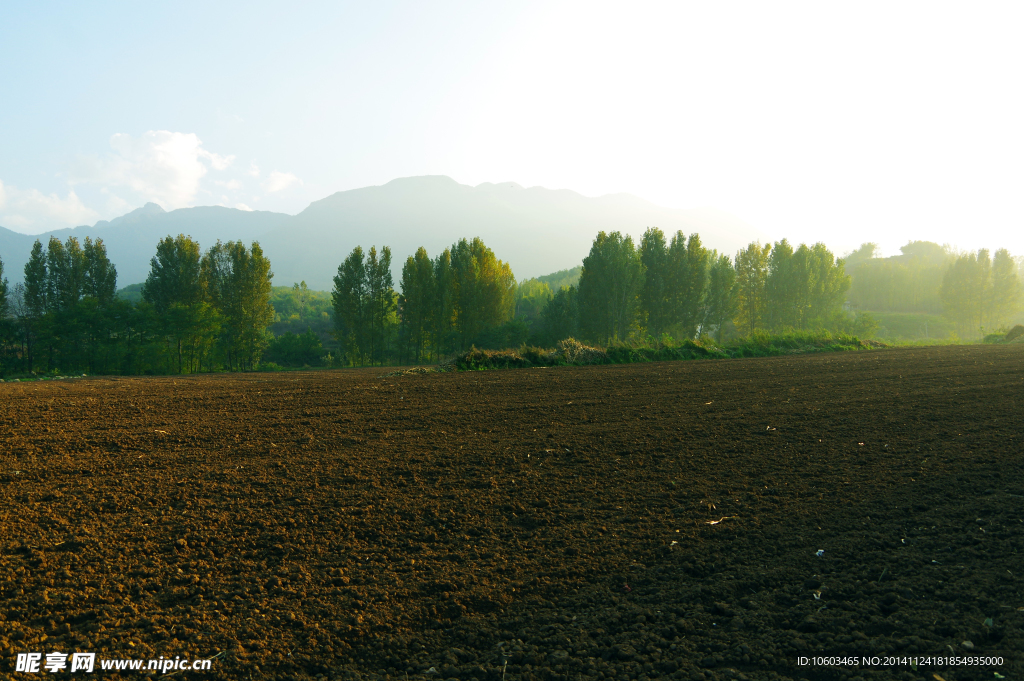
(417, 284)
(36, 281)
(720, 302)
(609, 288)
(824, 286)
(349, 298)
(176, 289)
(65, 280)
(380, 301)
(655, 296)
(688, 266)
(442, 316)
(751, 279)
(562, 315)
(100, 280)
(1006, 288)
(782, 288)
(3, 293)
(484, 289)
(175, 275)
(966, 288)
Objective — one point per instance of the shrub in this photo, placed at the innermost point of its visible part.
(270, 366)
(296, 351)
(571, 351)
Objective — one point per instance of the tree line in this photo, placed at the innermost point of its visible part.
(212, 310)
(977, 291)
(198, 312)
(446, 303)
(667, 287)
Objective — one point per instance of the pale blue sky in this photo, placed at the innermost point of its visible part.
(841, 122)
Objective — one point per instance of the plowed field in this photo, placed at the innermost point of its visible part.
(689, 520)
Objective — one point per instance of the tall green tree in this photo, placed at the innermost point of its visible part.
(36, 281)
(688, 266)
(532, 296)
(966, 290)
(805, 287)
(824, 285)
(175, 274)
(416, 302)
(782, 288)
(562, 315)
(751, 286)
(3, 293)
(908, 282)
(100, 280)
(445, 303)
(65, 266)
(609, 288)
(1006, 288)
(176, 288)
(657, 297)
(484, 289)
(980, 292)
(381, 302)
(238, 282)
(350, 297)
(720, 301)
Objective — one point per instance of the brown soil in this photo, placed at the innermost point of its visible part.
(625, 522)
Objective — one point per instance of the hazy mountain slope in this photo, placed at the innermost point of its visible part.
(131, 239)
(536, 230)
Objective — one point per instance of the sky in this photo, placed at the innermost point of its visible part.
(813, 121)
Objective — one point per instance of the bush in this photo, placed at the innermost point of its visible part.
(572, 352)
(269, 366)
(763, 344)
(296, 351)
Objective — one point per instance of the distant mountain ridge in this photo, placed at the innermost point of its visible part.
(535, 230)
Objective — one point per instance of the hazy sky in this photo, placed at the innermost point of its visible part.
(841, 122)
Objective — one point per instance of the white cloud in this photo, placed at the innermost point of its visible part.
(216, 160)
(230, 184)
(30, 211)
(161, 166)
(278, 181)
(254, 169)
(242, 206)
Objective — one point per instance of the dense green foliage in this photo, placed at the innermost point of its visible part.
(195, 312)
(980, 292)
(609, 289)
(462, 296)
(562, 278)
(3, 292)
(292, 350)
(976, 292)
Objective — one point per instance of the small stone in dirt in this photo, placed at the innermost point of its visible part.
(182, 543)
(967, 645)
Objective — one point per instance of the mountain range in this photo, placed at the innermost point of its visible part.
(535, 230)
